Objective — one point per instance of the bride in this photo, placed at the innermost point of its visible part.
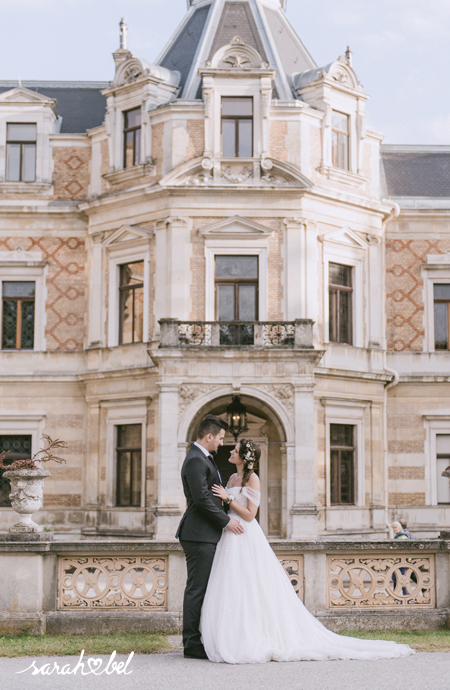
(251, 612)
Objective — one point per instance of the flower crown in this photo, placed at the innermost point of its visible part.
(250, 455)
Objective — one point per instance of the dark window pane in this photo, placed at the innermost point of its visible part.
(442, 291)
(138, 334)
(27, 326)
(137, 147)
(346, 478)
(22, 132)
(18, 289)
(340, 122)
(129, 150)
(247, 303)
(132, 274)
(245, 138)
(13, 162)
(237, 106)
(133, 118)
(237, 267)
(441, 325)
(334, 478)
(228, 138)
(341, 435)
(344, 318)
(129, 465)
(333, 296)
(129, 436)
(9, 330)
(19, 448)
(126, 310)
(136, 478)
(28, 162)
(124, 478)
(340, 275)
(225, 302)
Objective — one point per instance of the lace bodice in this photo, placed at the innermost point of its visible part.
(247, 493)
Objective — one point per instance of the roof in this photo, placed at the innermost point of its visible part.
(416, 171)
(209, 26)
(80, 104)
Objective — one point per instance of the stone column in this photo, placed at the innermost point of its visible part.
(375, 293)
(96, 322)
(170, 500)
(304, 509)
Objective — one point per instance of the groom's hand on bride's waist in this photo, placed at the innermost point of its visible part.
(235, 526)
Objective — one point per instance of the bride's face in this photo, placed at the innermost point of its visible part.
(235, 458)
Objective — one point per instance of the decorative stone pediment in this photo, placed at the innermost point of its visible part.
(237, 55)
(236, 227)
(26, 96)
(21, 255)
(346, 237)
(339, 71)
(127, 234)
(132, 69)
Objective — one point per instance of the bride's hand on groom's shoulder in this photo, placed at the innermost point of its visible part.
(220, 492)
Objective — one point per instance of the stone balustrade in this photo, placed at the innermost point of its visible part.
(92, 586)
(296, 334)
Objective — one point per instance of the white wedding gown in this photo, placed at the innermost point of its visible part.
(251, 613)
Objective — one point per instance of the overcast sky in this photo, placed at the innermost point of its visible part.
(401, 49)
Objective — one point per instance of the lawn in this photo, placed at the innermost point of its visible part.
(435, 641)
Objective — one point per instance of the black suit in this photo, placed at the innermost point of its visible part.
(199, 531)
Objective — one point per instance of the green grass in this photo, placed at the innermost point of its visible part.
(434, 641)
(66, 645)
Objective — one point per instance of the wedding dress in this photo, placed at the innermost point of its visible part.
(252, 614)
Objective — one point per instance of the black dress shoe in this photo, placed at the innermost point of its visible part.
(195, 653)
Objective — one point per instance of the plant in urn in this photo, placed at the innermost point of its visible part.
(27, 484)
(446, 473)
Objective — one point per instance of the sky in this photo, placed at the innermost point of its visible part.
(401, 49)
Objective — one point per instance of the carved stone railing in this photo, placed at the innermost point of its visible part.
(236, 334)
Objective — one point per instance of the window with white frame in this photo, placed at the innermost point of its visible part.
(236, 287)
(16, 447)
(442, 462)
(340, 140)
(131, 303)
(342, 464)
(128, 465)
(436, 282)
(132, 127)
(237, 127)
(21, 152)
(340, 299)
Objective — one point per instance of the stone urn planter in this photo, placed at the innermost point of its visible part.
(27, 491)
(446, 472)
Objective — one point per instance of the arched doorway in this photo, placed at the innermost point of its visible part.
(265, 428)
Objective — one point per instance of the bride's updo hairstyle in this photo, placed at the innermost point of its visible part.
(249, 452)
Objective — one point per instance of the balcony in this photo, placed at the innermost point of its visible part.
(253, 335)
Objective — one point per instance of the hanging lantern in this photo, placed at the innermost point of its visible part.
(237, 417)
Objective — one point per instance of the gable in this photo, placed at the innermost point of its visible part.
(23, 95)
(345, 236)
(127, 234)
(236, 227)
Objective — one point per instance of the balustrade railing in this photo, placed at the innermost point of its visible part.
(237, 334)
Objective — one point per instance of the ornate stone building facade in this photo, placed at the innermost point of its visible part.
(224, 224)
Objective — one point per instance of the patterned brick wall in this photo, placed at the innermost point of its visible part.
(404, 290)
(157, 147)
(277, 140)
(407, 499)
(406, 473)
(66, 288)
(196, 146)
(71, 175)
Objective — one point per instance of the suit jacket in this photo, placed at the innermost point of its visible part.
(205, 516)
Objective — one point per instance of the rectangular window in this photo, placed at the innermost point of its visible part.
(129, 455)
(131, 303)
(237, 127)
(441, 316)
(443, 461)
(340, 140)
(132, 138)
(340, 303)
(342, 464)
(18, 315)
(21, 153)
(19, 448)
(237, 297)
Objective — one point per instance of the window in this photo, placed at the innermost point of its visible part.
(340, 303)
(443, 461)
(237, 297)
(131, 288)
(340, 140)
(19, 448)
(441, 316)
(237, 127)
(129, 453)
(342, 463)
(132, 138)
(21, 153)
(18, 315)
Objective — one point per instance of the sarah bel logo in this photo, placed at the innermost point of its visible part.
(90, 666)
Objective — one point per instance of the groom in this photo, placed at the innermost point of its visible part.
(201, 526)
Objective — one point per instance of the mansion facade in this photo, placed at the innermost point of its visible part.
(221, 231)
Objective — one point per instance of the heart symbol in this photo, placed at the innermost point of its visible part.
(96, 663)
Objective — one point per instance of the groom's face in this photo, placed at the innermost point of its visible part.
(215, 441)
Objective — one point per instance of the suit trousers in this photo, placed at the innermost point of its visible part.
(199, 560)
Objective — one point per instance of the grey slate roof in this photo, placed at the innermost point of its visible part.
(424, 172)
(291, 50)
(81, 107)
(237, 20)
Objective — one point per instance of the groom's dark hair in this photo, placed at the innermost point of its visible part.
(211, 424)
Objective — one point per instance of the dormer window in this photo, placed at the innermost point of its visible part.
(237, 127)
(132, 138)
(21, 153)
(340, 140)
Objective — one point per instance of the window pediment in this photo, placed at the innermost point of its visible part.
(345, 236)
(25, 96)
(127, 234)
(236, 227)
(237, 55)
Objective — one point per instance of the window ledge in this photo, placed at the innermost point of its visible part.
(120, 176)
(344, 176)
(26, 188)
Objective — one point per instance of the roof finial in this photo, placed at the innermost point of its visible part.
(123, 34)
(20, 81)
(349, 56)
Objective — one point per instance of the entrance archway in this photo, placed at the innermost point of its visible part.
(266, 429)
